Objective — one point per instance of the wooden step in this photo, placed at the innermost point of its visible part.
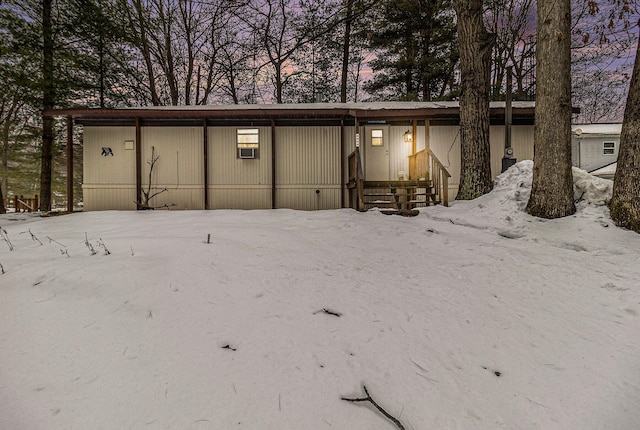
(382, 202)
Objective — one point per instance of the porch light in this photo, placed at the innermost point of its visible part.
(408, 136)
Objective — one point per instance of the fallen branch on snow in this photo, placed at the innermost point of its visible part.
(328, 312)
(378, 407)
(5, 237)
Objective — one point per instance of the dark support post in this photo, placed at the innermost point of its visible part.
(138, 164)
(342, 158)
(508, 160)
(205, 139)
(273, 163)
(414, 140)
(69, 163)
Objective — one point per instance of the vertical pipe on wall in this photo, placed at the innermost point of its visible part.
(273, 163)
(342, 159)
(138, 164)
(69, 163)
(205, 138)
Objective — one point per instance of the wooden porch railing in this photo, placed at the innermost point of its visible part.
(425, 164)
(21, 203)
(356, 181)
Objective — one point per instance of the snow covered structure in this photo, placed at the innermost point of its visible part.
(595, 146)
(274, 156)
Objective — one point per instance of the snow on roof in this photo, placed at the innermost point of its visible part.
(609, 169)
(372, 106)
(603, 129)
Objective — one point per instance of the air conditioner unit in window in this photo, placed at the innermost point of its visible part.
(246, 152)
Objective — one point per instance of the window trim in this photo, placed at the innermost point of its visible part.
(248, 144)
(608, 150)
(377, 138)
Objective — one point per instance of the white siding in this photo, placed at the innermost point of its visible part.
(590, 156)
(240, 197)
(108, 181)
(445, 143)
(116, 169)
(400, 150)
(109, 197)
(179, 168)
(180, 153)
(238, 183)
(308, 167)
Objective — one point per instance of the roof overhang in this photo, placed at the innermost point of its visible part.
(523, 112)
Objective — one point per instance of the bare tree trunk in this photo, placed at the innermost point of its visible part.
(3, 210)
(552, 188)
(344, 77)
(48, 102)
(475, 74)
(625, 202)
(145, 49)
(5, 162)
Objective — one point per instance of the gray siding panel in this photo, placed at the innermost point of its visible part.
(116, 169)
(240, 197)
(308, 159)
(445, 143)
(308, 198)
(105, 197)
(179, 151)
(179, 167)
(307, 155)
(108, 181)
(400, 150)
(225, 168)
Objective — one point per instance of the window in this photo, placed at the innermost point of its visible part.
(376, 137)
(608, 148)
(247, 142)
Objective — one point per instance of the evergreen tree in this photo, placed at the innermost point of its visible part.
(416, 47)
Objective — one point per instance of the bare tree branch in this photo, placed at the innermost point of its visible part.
(377, 406)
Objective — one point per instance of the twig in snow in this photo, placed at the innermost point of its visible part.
(33, 237)
(103, 246)
(328, 312)
(5, 237)
(132, 254)
(88, 245)
(227, 346)
(64, 252)
(52, 240)
(377, 406)
(2, 268)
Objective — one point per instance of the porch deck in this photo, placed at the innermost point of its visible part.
(428, 187)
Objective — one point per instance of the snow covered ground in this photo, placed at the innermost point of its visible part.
(476, 316)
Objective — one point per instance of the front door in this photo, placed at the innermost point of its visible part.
(376, 165)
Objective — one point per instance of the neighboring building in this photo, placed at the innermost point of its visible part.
(594, 146)
(271, 156)
(606, 172)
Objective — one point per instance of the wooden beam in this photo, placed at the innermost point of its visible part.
(138, 164)
(69, 163)
(205, 151)
(427, 138)
(273, 164)
(414, 134)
